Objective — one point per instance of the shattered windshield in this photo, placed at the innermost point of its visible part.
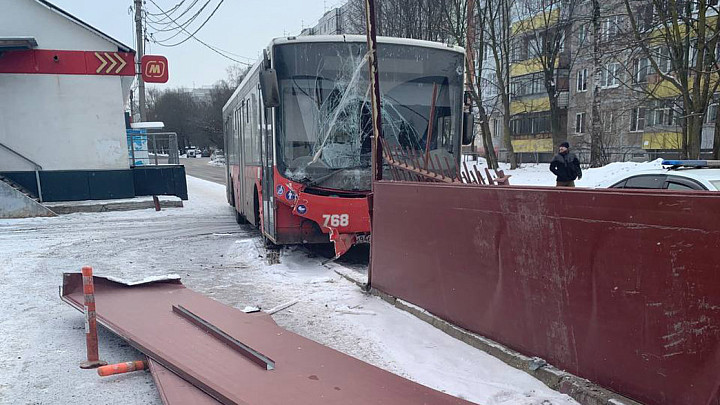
(324, 122)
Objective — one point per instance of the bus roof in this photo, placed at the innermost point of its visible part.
(341, 38)
(362, 38)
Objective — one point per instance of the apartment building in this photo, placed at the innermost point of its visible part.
(608, 93)
(335, 21)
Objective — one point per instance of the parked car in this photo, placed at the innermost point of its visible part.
(191, 152)
(677, 175)
(206, 153)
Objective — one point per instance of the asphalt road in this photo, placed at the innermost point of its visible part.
(199, 167)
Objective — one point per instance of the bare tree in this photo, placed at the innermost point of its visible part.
(235, 75)
(598, 150)
(499, 39)
(418, 19)
(548, 22)
(678, 42)
(476, 17)
(176, 108)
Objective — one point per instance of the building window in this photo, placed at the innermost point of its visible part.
(538, 85)
(580, 123)
(582, 80)
(496, 127)
(608, 122)
(517, 53)
(583, 34)
(637, 119)
(539, 124)
(491, 87)
(610, 75)
(711, 113)
(534, 48)
(662, 55)
(644, 15)
(693, 54)
(527, 85)
(642, 67)
(610, 27)
(661, 116)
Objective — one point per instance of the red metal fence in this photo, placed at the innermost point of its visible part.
(620, 287)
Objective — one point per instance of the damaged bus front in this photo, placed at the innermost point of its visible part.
(315, 126)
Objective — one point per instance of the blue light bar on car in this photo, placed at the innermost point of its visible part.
(691, 163)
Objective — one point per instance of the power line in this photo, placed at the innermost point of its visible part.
(184, 25)
(199, 28)
(187, 23)
(169, 23)
(214, 49)
(170, 11)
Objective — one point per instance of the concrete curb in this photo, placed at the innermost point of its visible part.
(580, 389)
(107, 206)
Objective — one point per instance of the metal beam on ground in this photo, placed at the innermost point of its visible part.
(247, 351)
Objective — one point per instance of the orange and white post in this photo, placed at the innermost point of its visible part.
(91, 339)
(121, 368)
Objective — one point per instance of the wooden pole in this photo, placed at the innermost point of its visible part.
(430, 124)
(377, 159)
(377, 154)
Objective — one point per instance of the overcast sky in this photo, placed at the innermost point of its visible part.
(243, 27)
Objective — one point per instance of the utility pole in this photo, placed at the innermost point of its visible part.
(140, 52)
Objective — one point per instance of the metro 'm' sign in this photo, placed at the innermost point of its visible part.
(154, 69)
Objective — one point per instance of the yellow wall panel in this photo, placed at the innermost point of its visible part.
(662, 140)
(540, 20)
(526, 67)
(532, 145)
(530, 105)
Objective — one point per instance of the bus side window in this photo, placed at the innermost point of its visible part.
(246, 136)
(237, 139)
(255, 130)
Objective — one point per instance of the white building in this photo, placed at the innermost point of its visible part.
(64, 86)
(335, 21)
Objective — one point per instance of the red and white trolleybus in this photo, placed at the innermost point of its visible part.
(299, 126)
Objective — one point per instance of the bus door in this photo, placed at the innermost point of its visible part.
(237, 152)
(266, 153)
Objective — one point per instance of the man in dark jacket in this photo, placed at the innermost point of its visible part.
(566, 166)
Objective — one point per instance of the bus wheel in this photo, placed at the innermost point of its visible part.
(257, 209)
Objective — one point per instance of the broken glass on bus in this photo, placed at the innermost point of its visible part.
(324, 123)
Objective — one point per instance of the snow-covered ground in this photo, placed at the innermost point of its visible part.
(530, 174)
(42, 339)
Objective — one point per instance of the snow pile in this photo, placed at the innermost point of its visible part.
(532, 174)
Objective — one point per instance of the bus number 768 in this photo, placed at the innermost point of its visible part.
(336, 220)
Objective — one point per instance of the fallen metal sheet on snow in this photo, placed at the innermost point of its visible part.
(174, 390)
(306, 372)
